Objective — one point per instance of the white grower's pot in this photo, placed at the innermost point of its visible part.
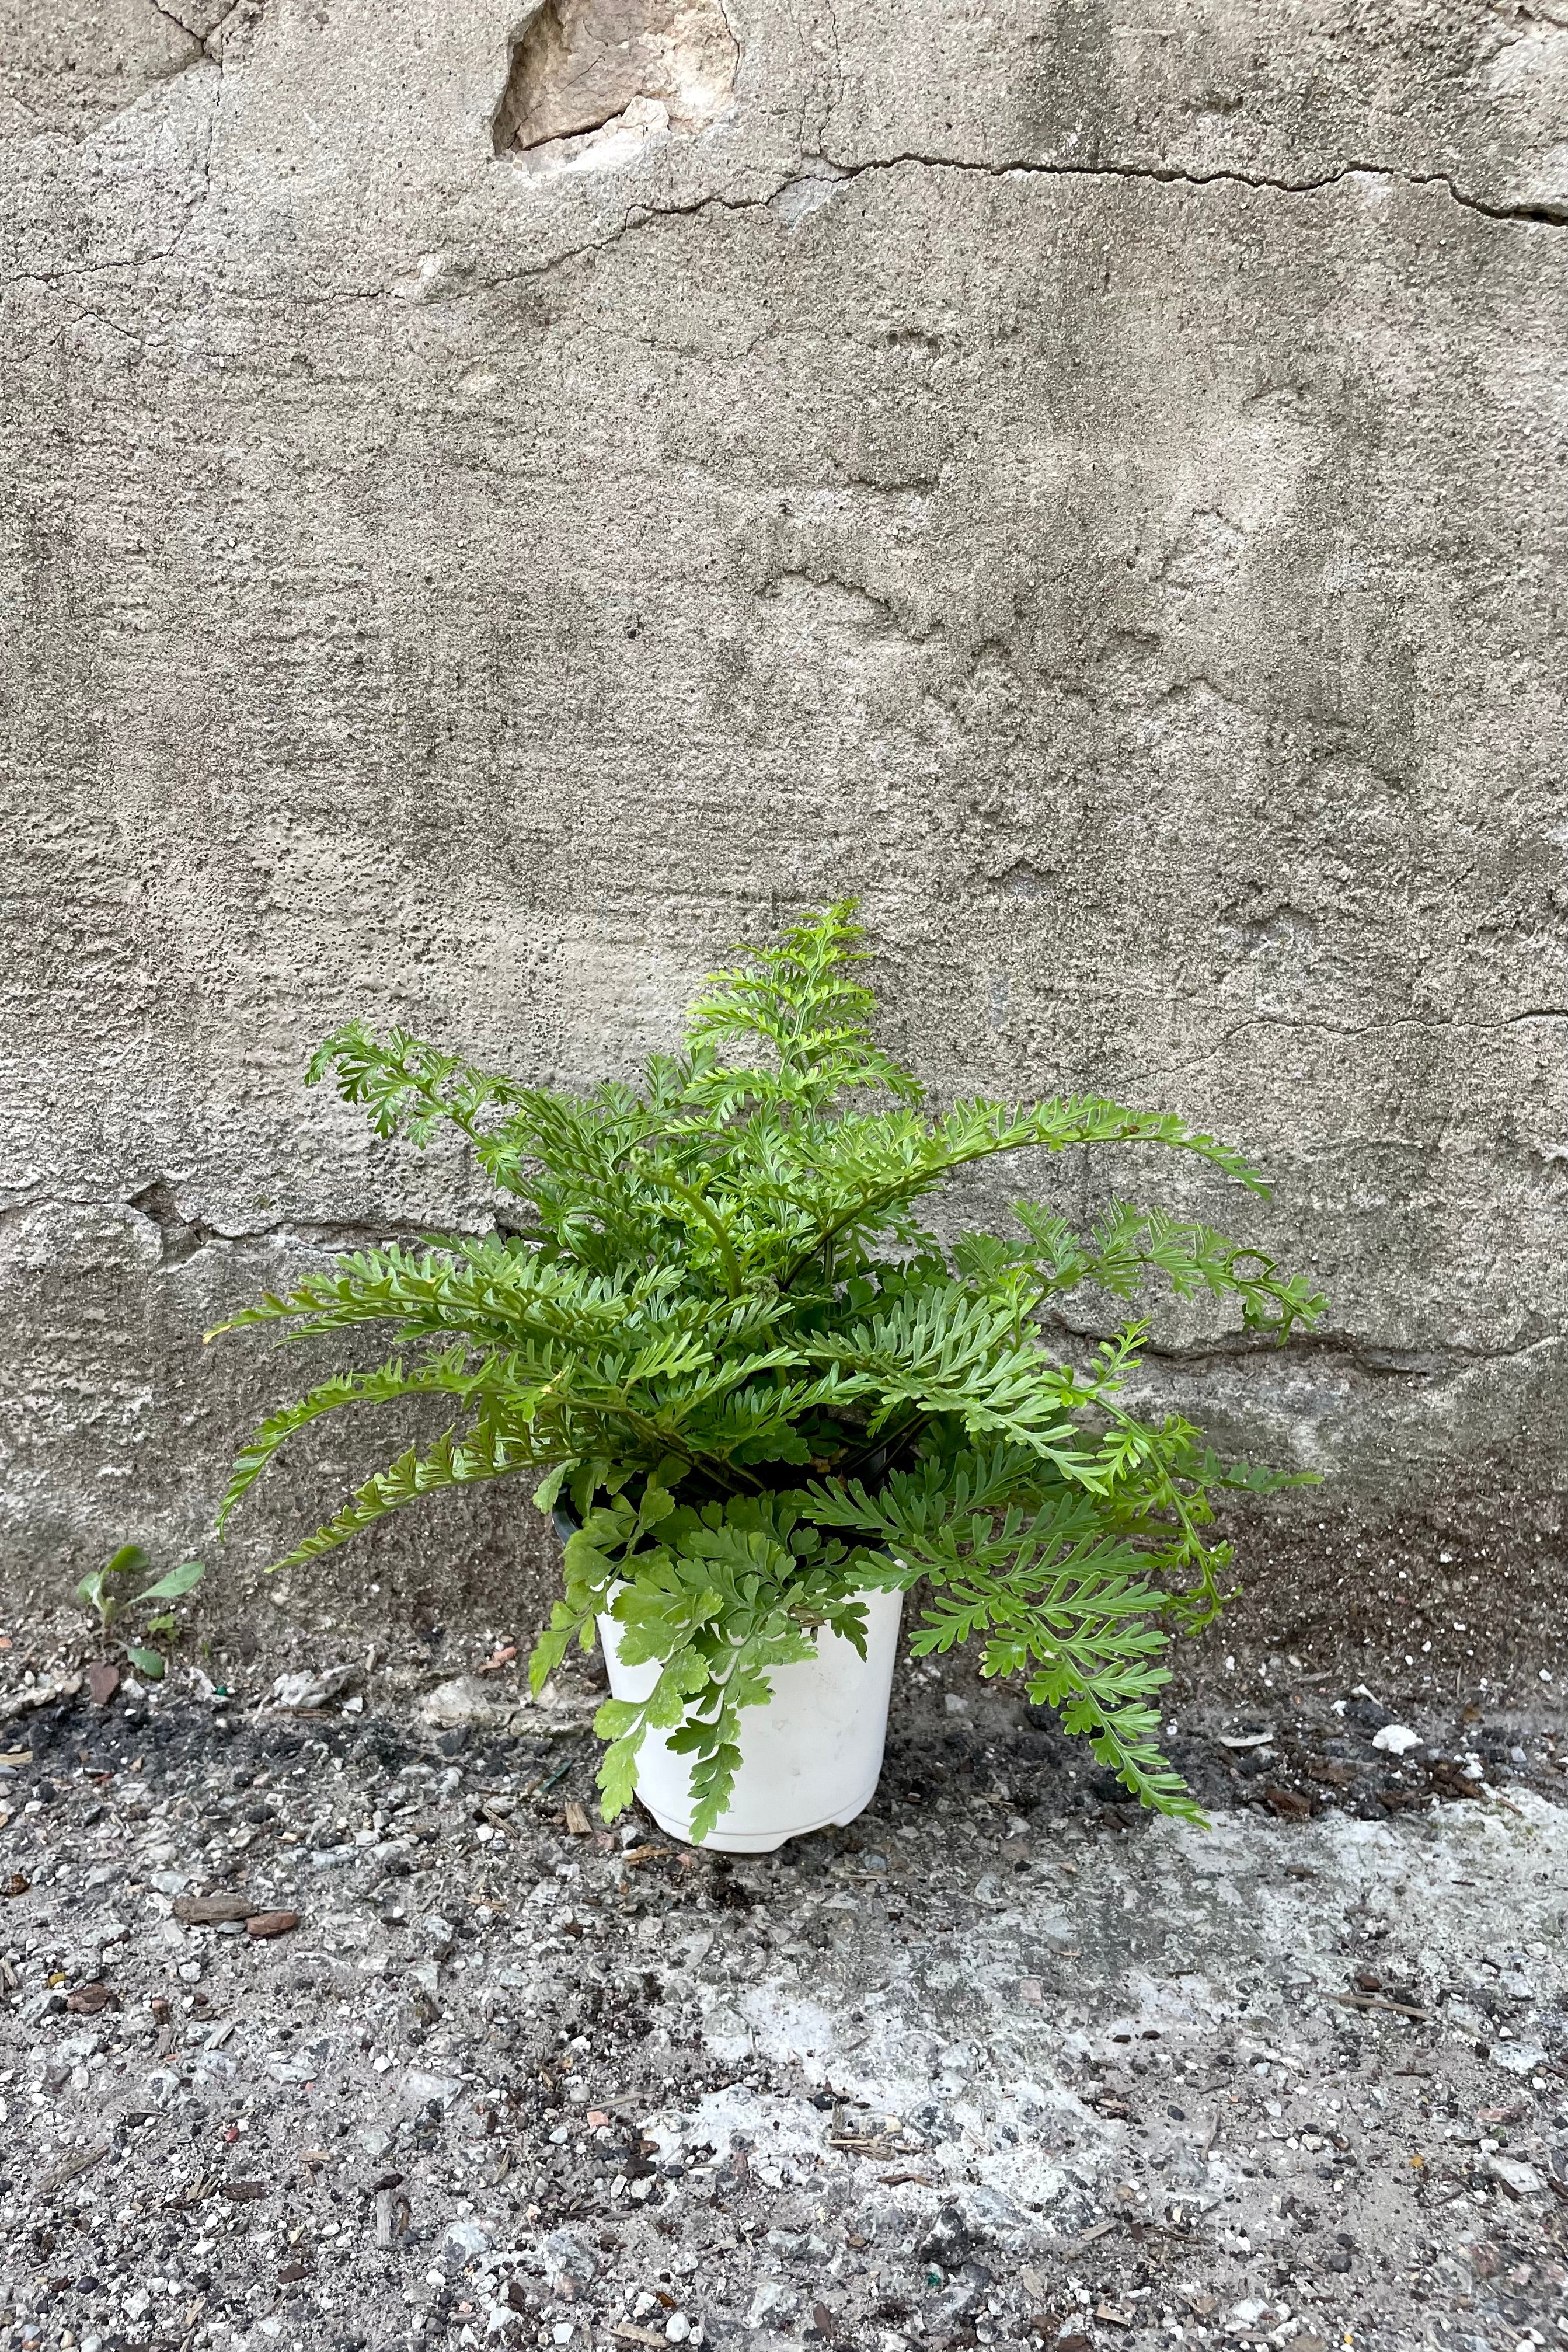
(811, 1756)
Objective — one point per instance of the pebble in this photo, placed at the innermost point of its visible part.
(1522, 2179)
(302, 1693)
(465, 1703)
(464, 2242)
(393, 2217)
(212, 1910)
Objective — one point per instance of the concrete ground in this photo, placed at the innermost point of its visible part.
(1002, 2064)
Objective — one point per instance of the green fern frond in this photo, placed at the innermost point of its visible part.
(729, 1334)
(452, 1374)
(490, 1450)
(803, 999)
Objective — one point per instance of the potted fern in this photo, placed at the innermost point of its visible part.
(765, 1402)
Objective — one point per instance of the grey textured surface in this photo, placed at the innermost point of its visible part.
(982, 2069)
(1094, 485)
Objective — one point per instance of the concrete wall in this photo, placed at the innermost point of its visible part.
(1095, 482)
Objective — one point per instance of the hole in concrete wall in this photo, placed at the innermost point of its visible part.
(590, 79)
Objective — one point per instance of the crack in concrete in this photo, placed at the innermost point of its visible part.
(183, 1238)
(170, 18)
(883, 612)
(1364, 1355)
(208, 39)
(203, 41)
(1544, 213)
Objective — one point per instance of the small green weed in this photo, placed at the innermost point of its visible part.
(104, 1592)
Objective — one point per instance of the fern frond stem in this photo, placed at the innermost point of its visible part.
(732, 1264)
(901, 1437)
(871, 1202)
(426, 1090)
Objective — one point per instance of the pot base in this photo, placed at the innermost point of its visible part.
(723, 1840)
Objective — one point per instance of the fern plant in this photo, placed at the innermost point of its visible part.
(726, 1337)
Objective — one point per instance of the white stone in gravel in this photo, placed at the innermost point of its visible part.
(464, 2242)
(1522, 2179)
(295, 1693)
(463, 1704)
(787, 2128)
(771, 2301)
(1518, 2057)
(1396, 1739)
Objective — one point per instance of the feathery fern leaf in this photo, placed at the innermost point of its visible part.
(727, 1333)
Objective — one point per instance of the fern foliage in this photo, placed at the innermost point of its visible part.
(727, 1337)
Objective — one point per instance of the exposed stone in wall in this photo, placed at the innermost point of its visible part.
(1094, 488)
(591, 78)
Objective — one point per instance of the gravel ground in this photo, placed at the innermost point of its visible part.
(1004, 2064)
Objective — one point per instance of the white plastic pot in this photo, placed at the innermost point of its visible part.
(812, 1756)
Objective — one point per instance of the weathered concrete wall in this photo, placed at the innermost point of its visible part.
(1094, 483)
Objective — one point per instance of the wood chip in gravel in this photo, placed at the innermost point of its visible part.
(103, 1681)
(1086, 2237)
(264, 1925)
(91, 1999)
(213, 1910)
(1286, 1801)
(1368, 2001)
(82, 2160)
(393, 2215)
